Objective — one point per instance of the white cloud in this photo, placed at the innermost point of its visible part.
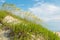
(2, 1)
(46, 11)
(36, 0)
(55, 18)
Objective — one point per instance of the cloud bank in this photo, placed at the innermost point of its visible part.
(46, 11)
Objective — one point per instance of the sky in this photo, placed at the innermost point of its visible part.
(47, 10)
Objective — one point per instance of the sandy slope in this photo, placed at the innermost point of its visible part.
(3, 34)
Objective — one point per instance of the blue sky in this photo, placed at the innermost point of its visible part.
(47, 10)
